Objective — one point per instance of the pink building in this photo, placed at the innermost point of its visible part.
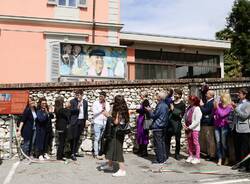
(32, 36)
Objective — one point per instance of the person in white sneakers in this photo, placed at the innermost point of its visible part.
(119, 127)
(192, 128)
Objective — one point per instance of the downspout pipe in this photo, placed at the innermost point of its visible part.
(93, 20)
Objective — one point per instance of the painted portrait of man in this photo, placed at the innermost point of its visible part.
(97, 67)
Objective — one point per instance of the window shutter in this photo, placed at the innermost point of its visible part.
(55, 62)
(51, 2)
(82, 3)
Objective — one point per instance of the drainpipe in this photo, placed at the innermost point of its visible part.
(93, 20)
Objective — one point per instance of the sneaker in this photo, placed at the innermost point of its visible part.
(99, 157)
(219, 162)
(189, 159)
(41, 158)
(46, 156)
(119, 173)
(106, 168)
(195, 161)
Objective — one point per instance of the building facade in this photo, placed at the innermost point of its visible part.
(70, 40)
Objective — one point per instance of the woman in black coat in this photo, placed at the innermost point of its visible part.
(43, 128)
(27, 126)
(63, 116)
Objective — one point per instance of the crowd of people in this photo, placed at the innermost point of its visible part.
(219, 117)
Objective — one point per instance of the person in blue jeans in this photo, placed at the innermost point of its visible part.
(27, 126)
(221, 113)
(100, 108)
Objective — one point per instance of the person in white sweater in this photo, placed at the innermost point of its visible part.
(192, 128)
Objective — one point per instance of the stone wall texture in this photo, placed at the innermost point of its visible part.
(131, 91)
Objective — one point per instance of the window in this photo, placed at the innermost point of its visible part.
(69, 3)
(170, 65)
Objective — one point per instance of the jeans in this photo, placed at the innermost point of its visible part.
(98, 131)
(221, 136)
(159, 143)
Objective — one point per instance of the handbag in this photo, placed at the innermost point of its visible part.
(124, 128)
(147, 123)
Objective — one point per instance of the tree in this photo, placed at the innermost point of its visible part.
(238, 32)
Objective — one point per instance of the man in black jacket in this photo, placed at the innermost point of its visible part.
(79, 116)
(207, 125)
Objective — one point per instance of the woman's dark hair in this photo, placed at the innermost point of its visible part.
(79, 92)
(120, 107)
(28, 103)
(40, 101)
(195, 100)
(58, 104)
(170, 92)
(178, 91)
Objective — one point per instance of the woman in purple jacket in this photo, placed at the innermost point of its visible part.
(222, 109)
(142, 137)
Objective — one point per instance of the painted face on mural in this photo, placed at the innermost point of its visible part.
(76, 50)
(67, 49)
(99, 64)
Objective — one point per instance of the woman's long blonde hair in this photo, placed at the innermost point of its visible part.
(225, 98)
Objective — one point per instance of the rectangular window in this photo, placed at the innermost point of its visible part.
(67, 3)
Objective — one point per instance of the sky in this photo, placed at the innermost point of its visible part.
(188, 18)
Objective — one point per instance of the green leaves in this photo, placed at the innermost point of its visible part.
(237, 59)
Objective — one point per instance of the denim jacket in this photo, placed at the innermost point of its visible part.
(160, 116)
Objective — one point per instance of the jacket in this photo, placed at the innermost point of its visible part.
(75, 111)
(207, 113)
(242, 117)
(160, 116)
(196, 119)
(28, 124)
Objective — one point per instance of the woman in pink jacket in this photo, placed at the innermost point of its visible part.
(192, 128)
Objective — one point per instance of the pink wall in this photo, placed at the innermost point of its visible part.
(101, 11)
(30, 8)
(39, 8)
(23, 45)
(22, 57)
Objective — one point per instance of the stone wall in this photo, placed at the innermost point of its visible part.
(131, 91)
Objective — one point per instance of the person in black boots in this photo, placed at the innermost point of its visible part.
(79, 110)
(176, 112)
(62, 122)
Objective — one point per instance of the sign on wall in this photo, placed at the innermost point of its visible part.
(13, 101)
(92, 61)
